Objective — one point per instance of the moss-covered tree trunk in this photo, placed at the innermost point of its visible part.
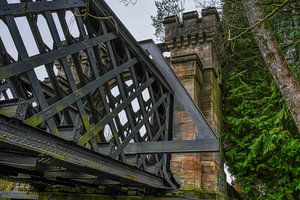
(273, 57)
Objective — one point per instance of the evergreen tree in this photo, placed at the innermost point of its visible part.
(264, 150)
(265, 143)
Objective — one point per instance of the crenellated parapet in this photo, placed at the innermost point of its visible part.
(193, 31)
(194, 38)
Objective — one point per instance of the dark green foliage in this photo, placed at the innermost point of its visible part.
(264, 152)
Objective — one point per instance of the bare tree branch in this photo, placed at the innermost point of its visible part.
(261, 21)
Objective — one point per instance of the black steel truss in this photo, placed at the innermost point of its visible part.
(101, 102)
(205, 130)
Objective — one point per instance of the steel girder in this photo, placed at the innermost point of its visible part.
(99, 88)
(68, 154)
(101, 100)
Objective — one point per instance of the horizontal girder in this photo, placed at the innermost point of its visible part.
(174, 146)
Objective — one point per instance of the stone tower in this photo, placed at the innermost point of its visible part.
(193, 58)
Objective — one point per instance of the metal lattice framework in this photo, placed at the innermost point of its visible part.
(100, 100)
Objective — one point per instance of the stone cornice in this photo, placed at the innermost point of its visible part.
(186, 58)
(193, 57)
(210, 11)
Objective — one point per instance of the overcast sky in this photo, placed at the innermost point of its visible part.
(137, 18)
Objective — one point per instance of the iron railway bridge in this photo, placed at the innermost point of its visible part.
(103, 113)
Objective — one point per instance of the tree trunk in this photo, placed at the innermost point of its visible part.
(274, 59)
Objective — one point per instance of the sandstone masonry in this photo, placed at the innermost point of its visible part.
(194, 60)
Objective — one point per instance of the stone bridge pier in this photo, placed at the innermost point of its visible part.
(194, 59)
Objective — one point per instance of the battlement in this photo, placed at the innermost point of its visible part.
(193, 30)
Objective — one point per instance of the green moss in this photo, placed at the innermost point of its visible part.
(2, 138)
(7, 111)
(34, 120)
(6, 185)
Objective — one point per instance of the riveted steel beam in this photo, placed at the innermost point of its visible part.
(32, 139)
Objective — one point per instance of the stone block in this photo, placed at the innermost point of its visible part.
(187, 43)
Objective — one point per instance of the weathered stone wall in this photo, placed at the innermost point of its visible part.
(193, 59)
